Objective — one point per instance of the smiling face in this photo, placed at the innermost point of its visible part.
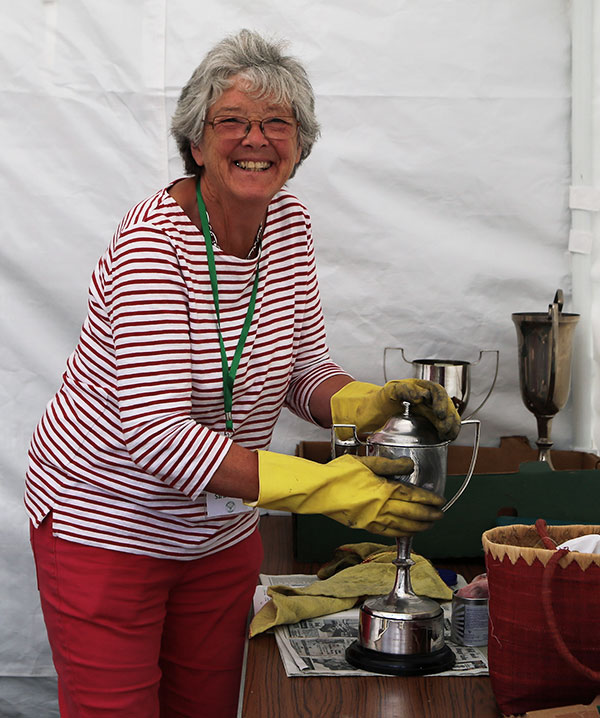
(251, 169)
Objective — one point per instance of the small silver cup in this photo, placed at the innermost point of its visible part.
(453, 375)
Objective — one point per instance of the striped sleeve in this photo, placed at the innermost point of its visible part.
(146, 300)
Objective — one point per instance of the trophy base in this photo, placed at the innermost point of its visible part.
(417, 664)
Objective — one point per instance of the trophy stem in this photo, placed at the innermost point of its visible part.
(403, 562)
(544, 444)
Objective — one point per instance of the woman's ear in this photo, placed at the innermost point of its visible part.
(197, 155)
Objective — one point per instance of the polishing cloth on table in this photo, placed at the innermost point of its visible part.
(370, 573)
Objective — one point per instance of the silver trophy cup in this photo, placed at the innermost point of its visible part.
(453, 375)
(545, 341)
(402, 633)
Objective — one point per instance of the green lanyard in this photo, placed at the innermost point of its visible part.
(229, 372)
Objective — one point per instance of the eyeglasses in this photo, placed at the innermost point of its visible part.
(236, 128)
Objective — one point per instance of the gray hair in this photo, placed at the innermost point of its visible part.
(267, 71)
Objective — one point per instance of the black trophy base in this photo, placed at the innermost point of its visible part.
(417, 664)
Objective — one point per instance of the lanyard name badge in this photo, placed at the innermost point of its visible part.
(216, 504)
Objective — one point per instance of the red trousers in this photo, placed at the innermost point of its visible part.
(141, 637)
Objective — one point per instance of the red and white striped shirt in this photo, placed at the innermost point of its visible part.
(125, 448)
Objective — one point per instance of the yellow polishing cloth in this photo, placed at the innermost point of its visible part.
(352, 554)
(344, 588)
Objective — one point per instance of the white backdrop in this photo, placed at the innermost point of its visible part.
(439, 193)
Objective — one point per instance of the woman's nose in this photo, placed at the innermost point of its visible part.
(255, 134)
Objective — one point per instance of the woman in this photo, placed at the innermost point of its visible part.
(204, 320)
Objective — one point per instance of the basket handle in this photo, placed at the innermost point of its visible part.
(559, 643)
(542, 530)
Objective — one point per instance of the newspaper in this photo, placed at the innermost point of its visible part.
(317, 646)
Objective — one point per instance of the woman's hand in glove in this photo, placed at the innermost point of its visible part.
(369, 406)
(352, 490)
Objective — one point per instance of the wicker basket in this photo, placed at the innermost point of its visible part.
(544, 608)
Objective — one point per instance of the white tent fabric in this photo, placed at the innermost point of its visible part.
(439, 193)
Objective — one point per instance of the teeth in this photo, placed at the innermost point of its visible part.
(254, 166)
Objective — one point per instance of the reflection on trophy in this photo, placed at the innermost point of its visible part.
(545, 347)
(454, 376)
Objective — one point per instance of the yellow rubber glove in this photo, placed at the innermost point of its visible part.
(348, 489)
(369, 406)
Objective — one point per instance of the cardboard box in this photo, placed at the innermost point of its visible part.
(508, 480)
(579, 711)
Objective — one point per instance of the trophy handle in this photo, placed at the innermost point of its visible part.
(491, 389)
(477, 424)
(544, 442)
(339, 447)
(559, 300)
(395, 349)
(554, 311)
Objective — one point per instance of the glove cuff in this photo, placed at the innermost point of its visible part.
(292, 483)
(349, 403)
(282, 480)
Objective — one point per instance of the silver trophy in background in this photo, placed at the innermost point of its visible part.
(453, 375)
(545, 341)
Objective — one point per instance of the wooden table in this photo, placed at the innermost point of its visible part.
(268, 693)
